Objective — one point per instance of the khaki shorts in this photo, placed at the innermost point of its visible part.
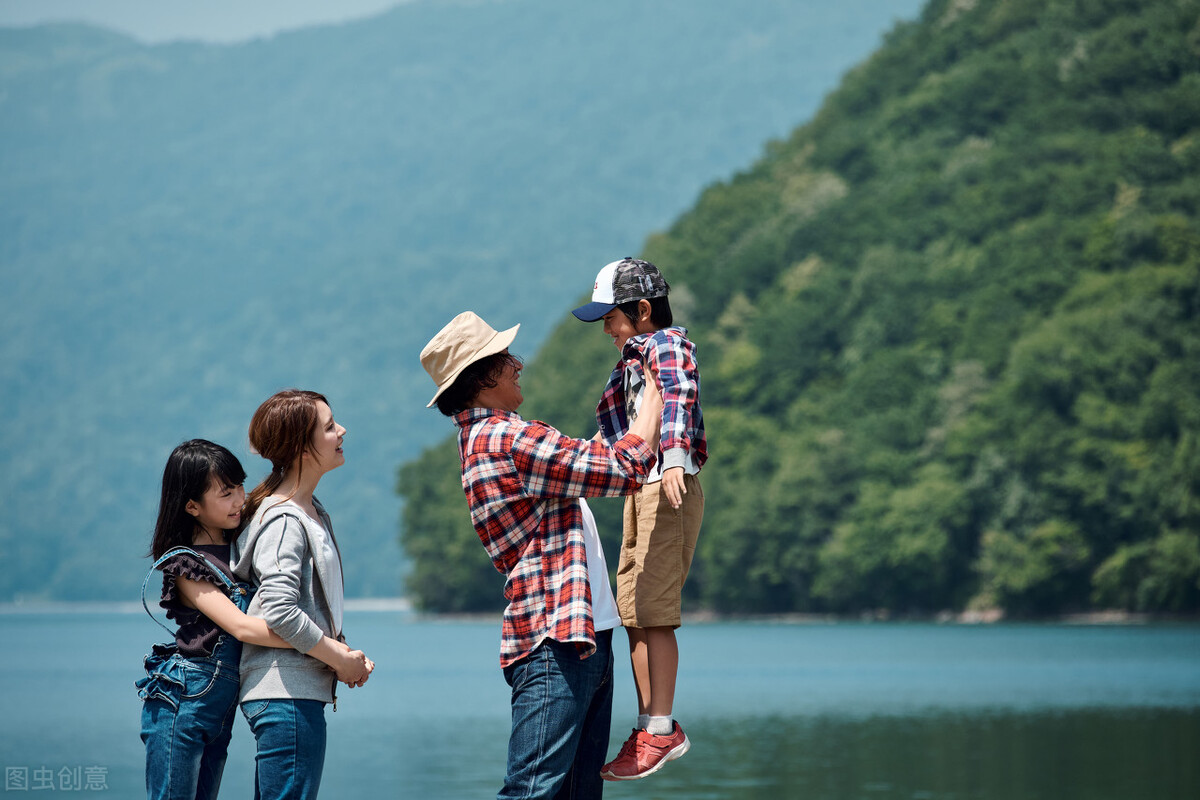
(656, 554)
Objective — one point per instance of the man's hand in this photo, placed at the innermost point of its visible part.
(649, 417)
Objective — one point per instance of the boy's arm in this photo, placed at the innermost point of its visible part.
(673, 486)
(672, 360)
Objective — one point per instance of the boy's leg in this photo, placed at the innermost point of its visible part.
(650, 747)
(654, 654)
(639, 660)
(656, 555)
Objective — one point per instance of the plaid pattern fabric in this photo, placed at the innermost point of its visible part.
(521, 478)
(672, 356)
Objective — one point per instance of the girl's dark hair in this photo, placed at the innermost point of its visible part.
(479, 375)
(281, 431)
(190, 470)
(660, 311)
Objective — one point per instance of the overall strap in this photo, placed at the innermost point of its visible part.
(170, 554)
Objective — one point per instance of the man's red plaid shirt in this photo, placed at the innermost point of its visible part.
(522, 479)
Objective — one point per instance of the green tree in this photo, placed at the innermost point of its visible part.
(1159, 575)
(451, 572)
(896, 549)
(1028, 572)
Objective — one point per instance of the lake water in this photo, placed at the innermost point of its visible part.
(774, 710)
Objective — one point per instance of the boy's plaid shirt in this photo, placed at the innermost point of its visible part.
(521, 479)
(673, 357)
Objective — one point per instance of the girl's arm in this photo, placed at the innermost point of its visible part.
(213, 603)
(352, 666)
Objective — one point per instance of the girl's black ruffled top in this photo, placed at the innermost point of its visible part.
(197, 634)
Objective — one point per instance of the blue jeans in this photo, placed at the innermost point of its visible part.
(291, 747)
(561, 714)
(187, 720)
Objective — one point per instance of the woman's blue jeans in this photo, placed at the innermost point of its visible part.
(187, 720)
(291, 747)
(561, 715)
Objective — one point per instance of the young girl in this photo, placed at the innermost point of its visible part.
(288, 550)
(191, 687)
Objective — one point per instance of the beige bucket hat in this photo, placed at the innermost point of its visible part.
(465, 340)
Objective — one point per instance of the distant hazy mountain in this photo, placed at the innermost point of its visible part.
(185, 229)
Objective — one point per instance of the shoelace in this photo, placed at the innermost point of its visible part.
(630, 745)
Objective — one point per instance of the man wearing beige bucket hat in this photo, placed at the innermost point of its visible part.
(524, 482)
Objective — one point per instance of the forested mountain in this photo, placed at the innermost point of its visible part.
(185, 229)
(948, 332)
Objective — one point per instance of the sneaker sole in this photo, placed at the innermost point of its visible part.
(676, 752)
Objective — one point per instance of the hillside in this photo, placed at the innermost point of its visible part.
(948, 332)
(185, 229)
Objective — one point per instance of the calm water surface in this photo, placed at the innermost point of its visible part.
(874, 711)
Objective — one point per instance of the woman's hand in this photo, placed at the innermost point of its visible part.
(354, 668)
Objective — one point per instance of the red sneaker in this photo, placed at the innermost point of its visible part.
(645, 754)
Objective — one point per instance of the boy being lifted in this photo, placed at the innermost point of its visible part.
(662, 520)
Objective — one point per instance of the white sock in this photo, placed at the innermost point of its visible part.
(661, 726)
(643, 721)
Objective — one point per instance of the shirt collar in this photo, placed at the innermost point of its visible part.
(470, 416)
(634, 345)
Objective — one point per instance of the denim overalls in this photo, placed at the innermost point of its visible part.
(189, 705)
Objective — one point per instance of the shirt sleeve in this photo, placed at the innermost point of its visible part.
(673, 360)
(551, 464)
(279, 556)
(184, 565)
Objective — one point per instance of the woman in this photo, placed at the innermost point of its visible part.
(289, 551)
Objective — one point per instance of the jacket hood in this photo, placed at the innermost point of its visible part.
(241, 553)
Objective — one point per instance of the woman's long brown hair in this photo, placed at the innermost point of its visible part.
(281, 431)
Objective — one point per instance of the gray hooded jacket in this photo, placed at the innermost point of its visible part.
(280, 552)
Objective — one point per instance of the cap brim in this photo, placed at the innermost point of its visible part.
(593, 311)
(496, 344)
